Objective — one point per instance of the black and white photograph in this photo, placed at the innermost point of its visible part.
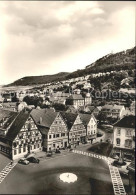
(67, 97)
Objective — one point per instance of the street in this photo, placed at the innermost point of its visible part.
(93, 177)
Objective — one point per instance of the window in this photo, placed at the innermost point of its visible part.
(53, 135)
(19, 150)
(34, 146)
(57, 135)
(62, 134)
(94, 131)
(54, 145)
(128, 143)
(118, 141)
(128, 132)
(24, 149)
(15, 152)
(49, 136)
(118, 131)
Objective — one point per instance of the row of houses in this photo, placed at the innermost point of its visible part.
(43, 129)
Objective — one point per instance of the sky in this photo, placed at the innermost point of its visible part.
(47, 37)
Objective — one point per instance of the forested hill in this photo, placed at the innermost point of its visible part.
(33, 80)
(124, 60)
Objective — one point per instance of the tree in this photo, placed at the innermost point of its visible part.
(102, 117)
(33, 100)
(59, 107)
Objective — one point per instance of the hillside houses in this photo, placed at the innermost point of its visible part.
(113, 111)
(78, 100)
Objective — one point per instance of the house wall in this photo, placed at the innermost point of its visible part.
(26, 137)
(125, 134)
(88, 100)
(77, 132)
(6, 149)
(92, 129)
(77, 103)
(58, 134)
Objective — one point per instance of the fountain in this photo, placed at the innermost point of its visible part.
(119, 162)
(68, 177)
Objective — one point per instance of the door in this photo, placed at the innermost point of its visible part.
(65, 144)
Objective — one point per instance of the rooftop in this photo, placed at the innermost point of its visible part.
(127, 122)
(69, 118)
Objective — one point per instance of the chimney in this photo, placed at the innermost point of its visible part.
(40, 120)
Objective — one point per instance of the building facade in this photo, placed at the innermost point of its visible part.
(124, 134)
(21, 137)
(76, 129)
(53, 128)
(113, 111)
(90, 124)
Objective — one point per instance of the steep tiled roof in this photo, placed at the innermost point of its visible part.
(9, 115)
(37, 113)
(17, 125)
(44, 117)
(91, 108)
(85, 118)
(69, 118)
(127, 122)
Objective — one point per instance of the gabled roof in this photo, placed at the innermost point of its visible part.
(37, 113)
(9, 115)
(17, 125)
(69, 118)
(112, 107)
(86, 118)
(91, 108)
(44, 117)
(76, 97)
(127, 122)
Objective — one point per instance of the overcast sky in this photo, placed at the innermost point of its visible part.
(39, 38)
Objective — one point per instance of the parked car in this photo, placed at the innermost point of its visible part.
(49, 154)
(23, 161)
(33, 159)
(57, 151)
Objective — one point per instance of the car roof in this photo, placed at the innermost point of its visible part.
(22, 158)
